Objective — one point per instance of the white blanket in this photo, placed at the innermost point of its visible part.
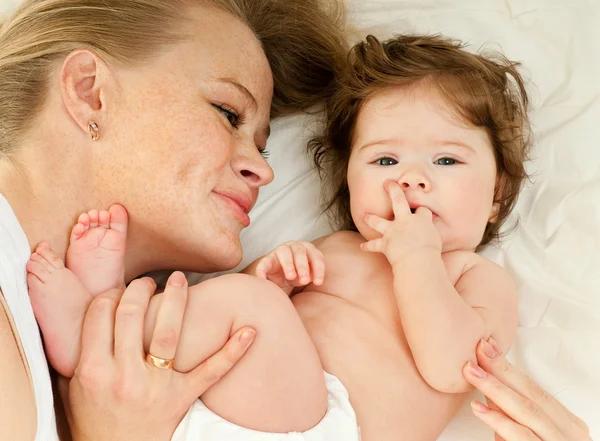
(554, 254)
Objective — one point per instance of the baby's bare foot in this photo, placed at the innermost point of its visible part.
(97, 251)
(59, 302)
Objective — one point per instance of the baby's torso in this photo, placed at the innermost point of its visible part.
(366, 279)
(354, 321)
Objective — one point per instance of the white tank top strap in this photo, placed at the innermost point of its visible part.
(14, 254)
(13, 328)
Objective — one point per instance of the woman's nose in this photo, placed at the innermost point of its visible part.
(253, 168)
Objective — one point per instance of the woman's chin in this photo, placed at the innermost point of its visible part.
(227, 254)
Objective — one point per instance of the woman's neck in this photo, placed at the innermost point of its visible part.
(45, 197)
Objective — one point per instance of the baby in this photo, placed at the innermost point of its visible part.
(422, 161)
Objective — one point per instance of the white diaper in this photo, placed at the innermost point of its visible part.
(339, 423)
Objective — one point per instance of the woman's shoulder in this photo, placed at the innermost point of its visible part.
(15, 384)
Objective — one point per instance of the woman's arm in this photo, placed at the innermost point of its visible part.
(115, 395)
(518, 408)
(17, 405)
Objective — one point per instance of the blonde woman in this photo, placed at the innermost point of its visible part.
(163, 106)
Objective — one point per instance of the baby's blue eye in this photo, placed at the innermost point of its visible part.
(445, 161)
(387, 161)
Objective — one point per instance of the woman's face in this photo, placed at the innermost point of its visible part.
(184, 141)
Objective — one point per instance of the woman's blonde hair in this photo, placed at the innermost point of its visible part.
(486, 92)
(302, 39)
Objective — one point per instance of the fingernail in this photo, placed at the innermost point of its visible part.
(476, 370)
(177, 279)
(149, 280)
(478, 407)
(247, 336)
(487, 349)
(494, 345)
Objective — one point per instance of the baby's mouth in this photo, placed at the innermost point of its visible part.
(413, 210)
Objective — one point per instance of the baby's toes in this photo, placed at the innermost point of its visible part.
(79, 229)
(45, 252)
(104, 219)
(38, 268)
(34, 284)
(118, 218)
(93, 218)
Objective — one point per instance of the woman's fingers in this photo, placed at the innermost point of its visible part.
(169, 319)
(129, 321)
(97, 338)
(495, 407)
(505, 428)
(212, 370)
(518, 381)
(520, 410)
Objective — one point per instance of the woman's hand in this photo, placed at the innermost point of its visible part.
(519, 409)
(293, 264)
(115, 394)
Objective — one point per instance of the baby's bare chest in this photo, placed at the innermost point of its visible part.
(366, 280)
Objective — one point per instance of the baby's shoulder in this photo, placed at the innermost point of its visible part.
(343, 255)
(459, 263)
(340, 240)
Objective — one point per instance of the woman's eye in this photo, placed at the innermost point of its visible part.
(386, 161)
(446, 161)
(233, 118)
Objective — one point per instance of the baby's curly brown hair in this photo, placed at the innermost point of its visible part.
(484, 91)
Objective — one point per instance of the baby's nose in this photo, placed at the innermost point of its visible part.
(414, 181)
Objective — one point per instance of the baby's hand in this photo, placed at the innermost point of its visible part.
(293, 264)
(407, 233)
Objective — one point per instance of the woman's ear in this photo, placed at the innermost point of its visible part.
(82, 79)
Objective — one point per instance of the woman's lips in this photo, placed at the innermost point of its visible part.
(238, 204)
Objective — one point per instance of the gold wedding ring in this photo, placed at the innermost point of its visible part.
(160, 363)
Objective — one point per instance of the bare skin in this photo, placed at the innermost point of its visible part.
(196, 155)
(216, 309)
(14, 382)
(354, 322)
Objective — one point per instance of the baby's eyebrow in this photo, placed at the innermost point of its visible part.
(455, 143)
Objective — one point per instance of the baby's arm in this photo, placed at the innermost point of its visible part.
(444, 323)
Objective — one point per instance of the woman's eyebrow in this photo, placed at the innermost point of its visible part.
(241, 89)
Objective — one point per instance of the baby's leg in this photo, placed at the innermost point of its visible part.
(279, 385)
(60, 296)
(59, 302)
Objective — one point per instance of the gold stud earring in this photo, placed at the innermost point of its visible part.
(93, 128)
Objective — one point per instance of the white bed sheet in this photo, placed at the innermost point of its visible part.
(554, 254)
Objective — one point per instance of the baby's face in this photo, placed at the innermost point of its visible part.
(410, 136)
